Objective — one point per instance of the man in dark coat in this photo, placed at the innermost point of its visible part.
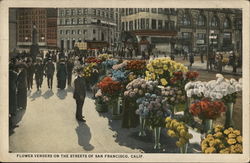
(70, 66)
(12, 93)
(79, 95)
(49, 70)
(191, 59)
(22, 87)
(39, 73)
(30, 73)
(61, 74)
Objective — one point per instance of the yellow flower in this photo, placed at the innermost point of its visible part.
(237, 148)
(209, 136)
(160, 71)
(168, 119)
(165, 67)
(221, 146)
(182, 140)
(237, 132)
(224, 151)
(226, 132)
(231, 141)
(178, 144)
(239, 139)
(210, 150)
(179, 128)
(218, 134)
(171, 133)
(164, 81)
(212, 143)
(231, 136)
(183, 133)
(153, 76)
(218, 128)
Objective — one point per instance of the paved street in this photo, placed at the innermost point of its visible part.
(49, 125)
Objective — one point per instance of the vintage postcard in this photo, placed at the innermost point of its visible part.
(124, 81)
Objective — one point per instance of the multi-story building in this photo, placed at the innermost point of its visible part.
(45, 22)
(87, 24)
(218, 29)
(185, 29)
(12, 29)
(156, 25)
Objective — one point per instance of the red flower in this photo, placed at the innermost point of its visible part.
(192, 75)
(109, 87)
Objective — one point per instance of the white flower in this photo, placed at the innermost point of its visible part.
(188, 85)
(219, 96)
(219, 76)
(189, 93)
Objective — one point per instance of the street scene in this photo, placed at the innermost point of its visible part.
(125, 80)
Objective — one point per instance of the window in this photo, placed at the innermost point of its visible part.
(67, 32)
(67, 22)
(159, 24)
(142, 23)
(227, 23)
(61, 13)
(201, 20)
(135, 24)
(153, 24)
(74, 12)
(107, 14)
(160, 10)
(131, 25)
(201, 38)
(94, 11)
(130, 11)
(79, 31)
(67, 12)
(166, 24)
(86, 11)
(111, 15)
(61, 22)
(93, 31)
(73, 32)
(61, 32)
(186, 35)
(103, 14)
(185, 20)
(98, 12)
(74, 21)
(153, 10)
(147, 9)
(80, 21)
(84, 20)
(227, 38)
(123, 26)
(79, 11)
(214, 22)
(171, 25)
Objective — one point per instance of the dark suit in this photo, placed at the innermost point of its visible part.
(22, 89)
(39, 75)
(79, 95)
(30, 74)
(12, 92)
(70, 66)
(50, 69)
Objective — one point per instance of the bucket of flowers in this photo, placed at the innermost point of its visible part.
(223, 140)
(101, 102)
(178, 130)
(138, 67)
(112, 90)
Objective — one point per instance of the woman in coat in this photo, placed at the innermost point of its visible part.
(61, 75)
(22, 87)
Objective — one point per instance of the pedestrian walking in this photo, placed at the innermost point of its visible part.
(191, 59)
(70, 66)
(79, 95)
(30, 73)
(202, 55)
(61, 74)
(22, 87)
(49, 71)
(39, 68)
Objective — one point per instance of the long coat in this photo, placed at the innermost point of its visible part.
(12, 92)
(61, 76)
(80, 88)
(49, 69)
(22, 89)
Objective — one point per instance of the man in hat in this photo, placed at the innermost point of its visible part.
(39, 73)
(30, 73)
(79, 94)
(61, 74)
(22, 86)
(70, 66)
(49, 70)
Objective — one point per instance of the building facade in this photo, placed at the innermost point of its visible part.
(87, 24)
(185, 29)
(156, 25)
(216, 29)
(45, 22)
(12, 29)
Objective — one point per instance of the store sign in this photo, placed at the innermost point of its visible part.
(81, 45)
(200, 42)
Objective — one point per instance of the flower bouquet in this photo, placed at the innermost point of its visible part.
(153, 109)
(180, 131)
(111, 89)
(162, 69)
(220, 89)
(223, 141)
(104, 57)
(100, 101)
(207, 111)
(119, 75)
(136, 66)
(93, 60)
